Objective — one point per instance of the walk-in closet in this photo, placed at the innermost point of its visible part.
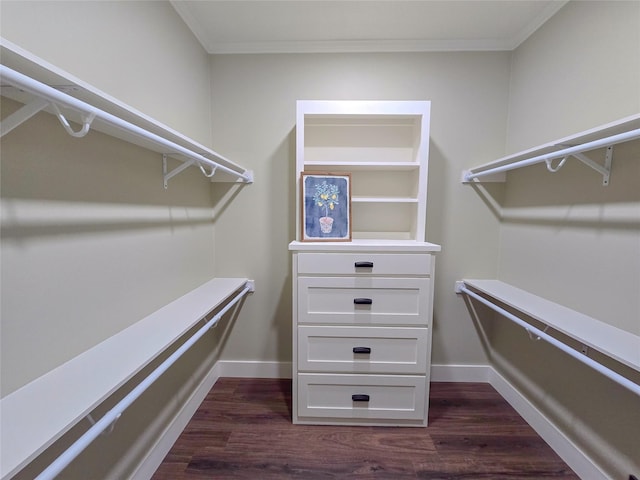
(330, 239)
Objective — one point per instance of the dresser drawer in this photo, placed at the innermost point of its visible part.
(361, 397)
(362, 349)
(363, 300)
(364, 263)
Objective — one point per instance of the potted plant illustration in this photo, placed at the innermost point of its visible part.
(326, 197)
(326, 207)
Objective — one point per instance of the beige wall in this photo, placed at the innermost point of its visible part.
(254, 102)
(93, 211)
(579, 70)
(565, 236)
(140, 52)
(91, 241)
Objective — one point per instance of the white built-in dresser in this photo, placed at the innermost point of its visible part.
(362, 309)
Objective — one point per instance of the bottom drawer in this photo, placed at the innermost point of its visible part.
(362, 397)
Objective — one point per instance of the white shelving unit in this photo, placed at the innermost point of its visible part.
(385, 147)
(29, 80)
(617, 344)
(33, 417)
(601, 137)
(590, 333)
(362, 309)
(36, 415)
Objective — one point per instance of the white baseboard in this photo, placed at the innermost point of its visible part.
(565, 448)
(153, 460)
(222, 368)
(571, 454)
(251, 369)
(460, 373)
(580, 463)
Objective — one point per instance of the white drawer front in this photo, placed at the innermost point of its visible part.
(400, 397)
(345, 300)
(362, 349)
(380, 264)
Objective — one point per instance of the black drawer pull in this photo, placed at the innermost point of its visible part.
(360, 398)
(362, 301)
(361, 350)
(363, 264)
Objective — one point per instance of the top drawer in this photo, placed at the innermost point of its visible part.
(365, 263)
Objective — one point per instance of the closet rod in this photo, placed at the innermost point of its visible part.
(469, 175)
(58, 98)
(607, 372)
(112, 415)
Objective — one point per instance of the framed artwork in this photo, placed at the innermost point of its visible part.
(326, 207)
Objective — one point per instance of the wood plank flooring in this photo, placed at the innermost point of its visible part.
(243, 430)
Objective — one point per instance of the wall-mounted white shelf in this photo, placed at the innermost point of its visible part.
(384, 200)
(618, 344)
(357, 165)
(39, 413)
(604, 136)
(29, 79)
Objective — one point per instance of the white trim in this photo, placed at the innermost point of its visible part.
(254, 369)
(460, 373)
(222, 368)
(292, 45)
(579, 462)
(165, 442)
(563, 446)
(193, 23)
(361, 46)
(549, 11)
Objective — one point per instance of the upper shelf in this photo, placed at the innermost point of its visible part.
(604, 136)
(360, 165)
(27, 79)
(384, 147)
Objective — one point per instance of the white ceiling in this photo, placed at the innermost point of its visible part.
(286, 26)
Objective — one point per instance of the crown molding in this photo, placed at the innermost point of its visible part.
(194, 23)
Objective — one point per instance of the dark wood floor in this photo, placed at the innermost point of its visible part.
(243, 430)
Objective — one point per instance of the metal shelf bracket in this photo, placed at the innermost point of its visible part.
(109, 429)
(605, 170)
(166, 175)
(20, 116)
